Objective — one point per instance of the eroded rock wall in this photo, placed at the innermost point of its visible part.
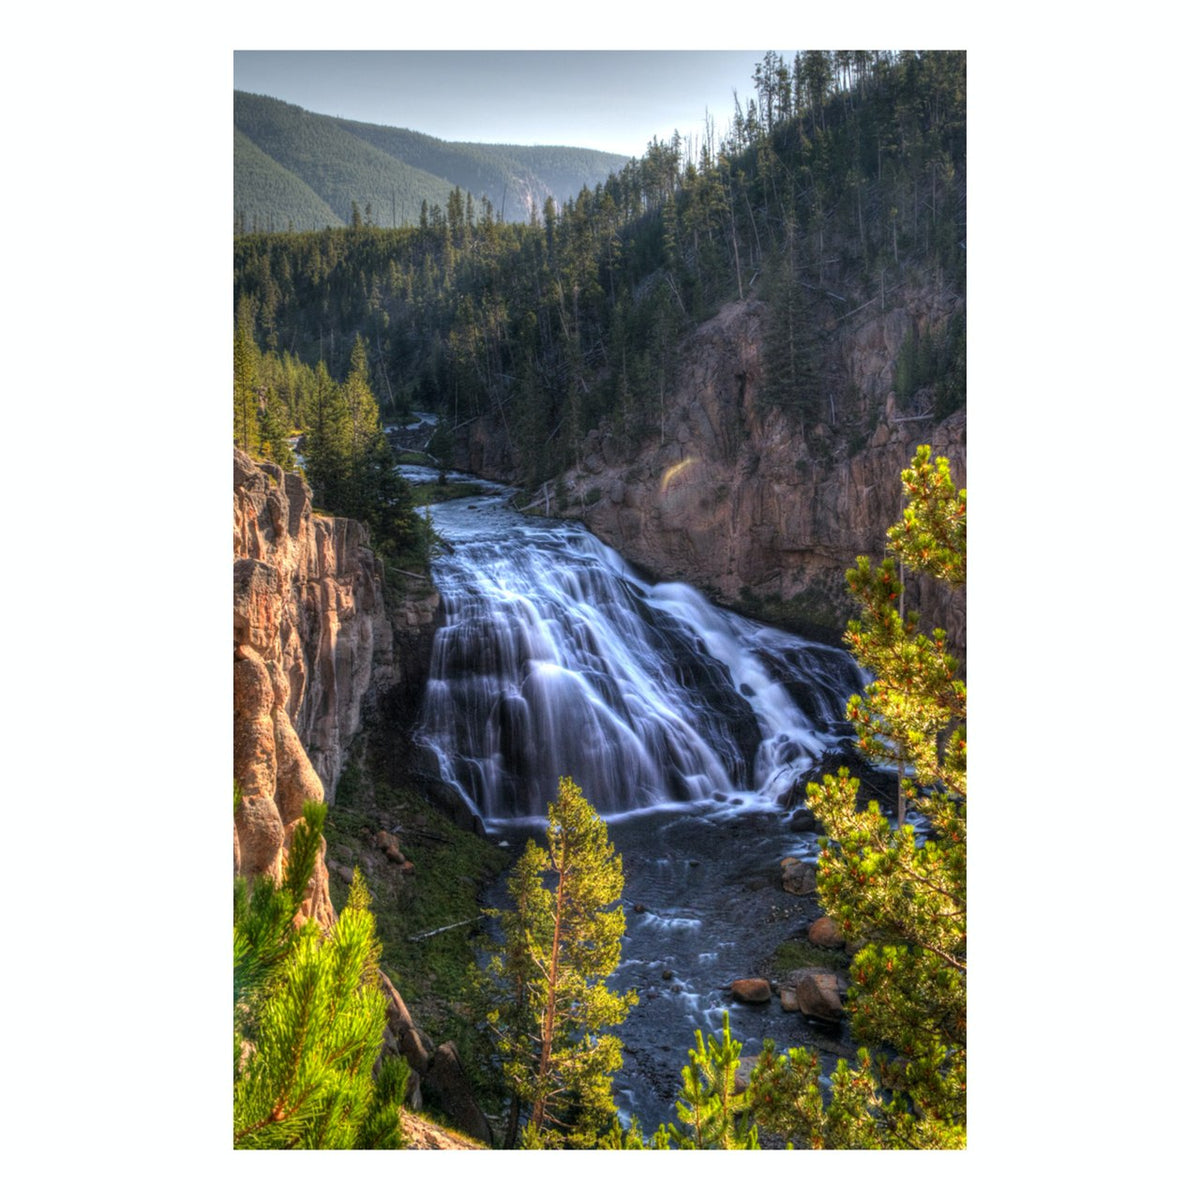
(737, 497)
(310, 636)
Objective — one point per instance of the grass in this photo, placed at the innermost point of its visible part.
(436, 493)
(451, 867)
(793, 955)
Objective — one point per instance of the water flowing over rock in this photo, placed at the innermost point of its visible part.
(556, 660)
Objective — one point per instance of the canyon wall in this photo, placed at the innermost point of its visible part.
(313, 644)
(737, 497)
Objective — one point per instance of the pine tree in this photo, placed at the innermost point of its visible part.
(245, 379)
(791, 351)
(902, 897)
(327, 449)
(712, 1111)
(309, 1016)
(547, 981)
(273, 430)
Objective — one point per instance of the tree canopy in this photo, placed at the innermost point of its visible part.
(550, 1003)
(898, 893)
(309, 1016)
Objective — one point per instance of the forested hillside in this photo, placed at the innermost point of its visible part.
(841, 184)
(279, 194)
(312, 171)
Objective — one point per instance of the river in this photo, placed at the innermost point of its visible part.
(688, 728)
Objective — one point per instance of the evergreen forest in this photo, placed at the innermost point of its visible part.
(842, 178)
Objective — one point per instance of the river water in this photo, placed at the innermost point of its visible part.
(686, 726)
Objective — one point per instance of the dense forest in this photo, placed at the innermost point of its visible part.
(842, 178)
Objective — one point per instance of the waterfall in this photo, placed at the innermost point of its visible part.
(556, 659)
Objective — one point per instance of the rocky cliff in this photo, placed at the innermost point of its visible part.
(317, 642)
(312, 643)
(736, 496)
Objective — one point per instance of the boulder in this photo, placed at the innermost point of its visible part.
(824, 932)
(803, 821)
(817, 993)
(745, 1068)
(388, 843)
(751, 991)
(799, 877)
(402, 1035)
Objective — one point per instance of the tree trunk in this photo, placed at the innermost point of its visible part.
(538, 1116)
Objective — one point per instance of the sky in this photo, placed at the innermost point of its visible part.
(614, 100)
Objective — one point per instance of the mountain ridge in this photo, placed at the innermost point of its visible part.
(293, 169)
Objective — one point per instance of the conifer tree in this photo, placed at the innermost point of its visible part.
(273, 430)
(245, 379)
(328, 442)
(549, 999)
(712, 1111)
(791, 350)
(902, 897)
(309, 1016)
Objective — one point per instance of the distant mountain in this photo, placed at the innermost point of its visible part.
(301, 170)
(273, 194)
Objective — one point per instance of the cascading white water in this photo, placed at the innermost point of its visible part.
(556, 660)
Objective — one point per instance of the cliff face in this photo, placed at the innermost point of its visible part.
(735, 497)
(311, 640)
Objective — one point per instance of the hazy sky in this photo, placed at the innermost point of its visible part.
(606, 100)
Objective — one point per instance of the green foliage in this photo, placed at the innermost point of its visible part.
(853, 1113)
(263, 915)
(348, 461)
(936, 360)
(451, 866)
(711, 1110)
(549, 1002)
(904, 900)
(309, 1016)
(794, 955)
(932, 534)
(267, 196)
(791, 350)
(380, 1128)
(424, 494)
(245, 378)
(619, 1137)
(914, 710)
